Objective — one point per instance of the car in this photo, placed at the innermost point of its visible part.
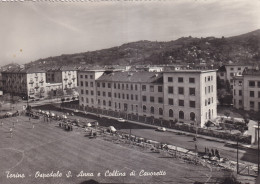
(86, 112)
(76, 110)
(111, 129)
(121, 120)
(161, 129)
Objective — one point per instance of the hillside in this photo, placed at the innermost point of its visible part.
(210, 50)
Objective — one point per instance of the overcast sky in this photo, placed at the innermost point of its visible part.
(29, 31)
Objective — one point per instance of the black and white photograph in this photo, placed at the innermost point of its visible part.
(129, 92)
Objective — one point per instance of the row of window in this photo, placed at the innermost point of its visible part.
(181, 91)
(252, 105)
(208, 101)
(86, 84)
(209, 78)
(181, 80)
(209, 89)
(87, 92)
(254, 83)
(86, 76)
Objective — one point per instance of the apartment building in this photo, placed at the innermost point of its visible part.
(23, 82)
(247, 90)
(35, 82)
(228, 71)
(187, 96)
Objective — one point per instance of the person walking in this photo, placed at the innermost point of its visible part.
(11, 132)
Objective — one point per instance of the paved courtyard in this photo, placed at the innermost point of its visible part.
(32, 152)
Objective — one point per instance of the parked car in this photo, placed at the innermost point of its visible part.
(121, 120)
(111, 129)
(161, 129)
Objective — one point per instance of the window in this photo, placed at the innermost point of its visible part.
(123, 86)
(144, 98)
(192, 91)
(123, 96)
(118, 86)
(115, 105)
(211, 88)
(170, 79)
(132, 88)
(252, 94)
(81, 83)
(119, 105)
(151, 99)
(160, 100)
(144, 108)
(160, 111)
(240, 92)
(104, 102)
(192, 104)
(181, 115)
(181, 90)
(98, 84)
(191, 80)
(91, 76)
(103, 85)
(251, 83)
(81, 76)
(86, 84)
(136, 87)
(170, 101)
(234, 92)
(109, 85)
(109, 103)
(143, 87)
(231, 69)
(208, 78)
(205, 90)
(238, 68)
(86, 76)
(98, 93)
(208, 89)
(114, 85)
(171, 113)
(221, 74)
(180, 79)
(136, 97)
(82, 92)
(104, 93)
(151, 88)
(92, 92)
(119, 95)
(252, 105)
(209, 101)
(192, 116)
(181, 103)
(160, 89)
(170, 89)
(126, 86)
(91, 84)
(152, 110)
(109, 94)
(258, 84)
(115, 95)
(240, 102)
(231, 74)
(132, 97)
(127, 96)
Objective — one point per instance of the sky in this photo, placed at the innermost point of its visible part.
(34, 30)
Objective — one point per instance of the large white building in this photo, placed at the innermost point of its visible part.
(183, 95)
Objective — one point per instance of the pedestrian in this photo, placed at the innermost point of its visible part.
(205, 150)
(11, 132)
(29, 118)
(212, 152)
(13, 124)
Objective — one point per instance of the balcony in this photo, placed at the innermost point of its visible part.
(31, 82)
(36, 87)
(69, 83)
(41, 81)
(65, 79)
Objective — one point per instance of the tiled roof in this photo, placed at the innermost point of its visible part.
(142, 77)
(28, 70)
(251, 72)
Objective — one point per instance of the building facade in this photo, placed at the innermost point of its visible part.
(247, 90)
(185, 96)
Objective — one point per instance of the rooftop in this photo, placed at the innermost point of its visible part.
(252, 72)
(141, 77)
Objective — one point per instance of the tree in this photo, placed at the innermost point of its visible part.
(246, 119)
(69, 91)
(50, 94)
(207, 124)
(59, 93)
(40, 93)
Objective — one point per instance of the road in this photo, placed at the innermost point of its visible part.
(48, 148)
(226, 151)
